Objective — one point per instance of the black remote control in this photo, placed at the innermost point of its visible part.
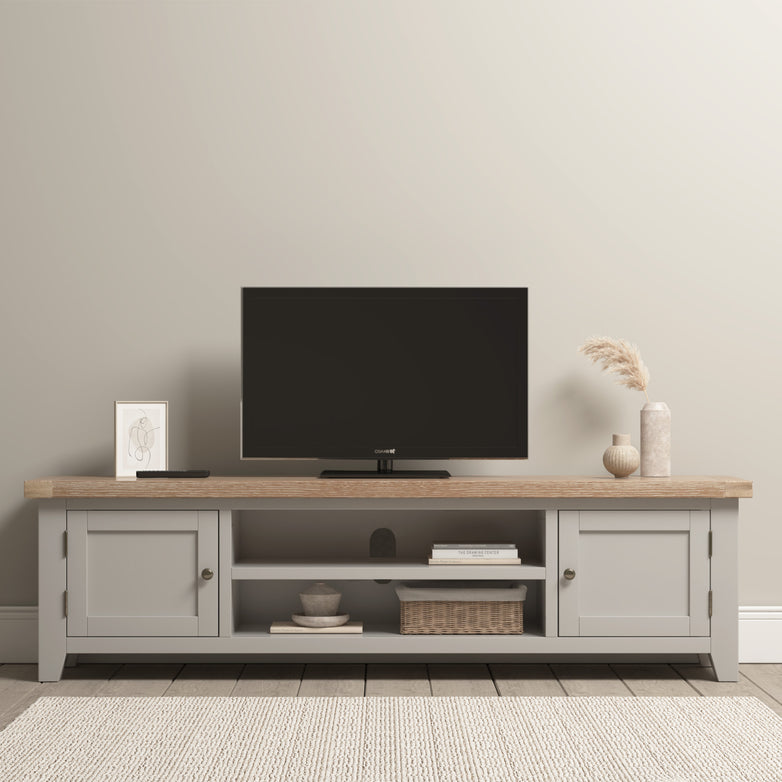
(172, 473)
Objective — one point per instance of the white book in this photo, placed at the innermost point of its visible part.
(475, 561)
(471, 553)
(291, 627)
(470, 545)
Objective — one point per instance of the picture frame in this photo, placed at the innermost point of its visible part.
(140, 437)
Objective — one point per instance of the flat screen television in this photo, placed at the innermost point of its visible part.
(382, 374)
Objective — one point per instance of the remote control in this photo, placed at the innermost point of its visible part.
(172, 473)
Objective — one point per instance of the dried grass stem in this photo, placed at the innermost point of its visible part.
(621, 358)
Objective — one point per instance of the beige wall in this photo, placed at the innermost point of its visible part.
(621, 159)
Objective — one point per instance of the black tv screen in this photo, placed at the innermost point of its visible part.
(384, 373)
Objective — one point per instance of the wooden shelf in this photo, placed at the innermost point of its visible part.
(396, 570)
(567, 486)
(384, 633)
(379, 642)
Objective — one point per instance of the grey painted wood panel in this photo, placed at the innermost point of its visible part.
(620, 570)
(137, 573)
(186, 626)
(617, 557)
(634, 626)
(226, 558)
(387, 643)
(419, 571)
(551, 585)
(724, 584)
(142, 521)
(52, 584)
(208, 589)
(700, 572)
(76, 522)
(569, 602)
(628, 521)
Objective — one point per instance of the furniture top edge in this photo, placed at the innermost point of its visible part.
(547, 486)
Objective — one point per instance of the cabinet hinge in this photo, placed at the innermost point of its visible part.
(710, 543)
(711, 603)
(65, 602)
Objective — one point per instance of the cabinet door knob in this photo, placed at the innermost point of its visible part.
(207, 573)
(569, 574)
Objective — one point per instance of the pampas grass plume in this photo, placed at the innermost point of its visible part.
(619, 358)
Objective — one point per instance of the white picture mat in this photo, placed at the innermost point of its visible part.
(140, 437)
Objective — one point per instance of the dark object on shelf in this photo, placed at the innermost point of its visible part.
(172, 473)
(382, 543)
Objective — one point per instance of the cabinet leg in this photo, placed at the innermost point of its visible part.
(50, 665)
(52, 584)
(726, 666)
(724, 583)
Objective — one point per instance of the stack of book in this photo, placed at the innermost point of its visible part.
(474, 553)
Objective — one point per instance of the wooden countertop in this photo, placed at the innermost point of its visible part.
(548, 486)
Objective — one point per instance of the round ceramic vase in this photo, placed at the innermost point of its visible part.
(621, 459)
(655, 440)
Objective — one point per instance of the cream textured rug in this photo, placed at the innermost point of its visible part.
(384, 739)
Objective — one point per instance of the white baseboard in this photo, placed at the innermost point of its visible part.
(760, 634)
(18, 634)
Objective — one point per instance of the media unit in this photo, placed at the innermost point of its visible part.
(643, 566)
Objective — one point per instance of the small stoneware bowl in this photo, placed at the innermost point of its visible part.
(320, 600)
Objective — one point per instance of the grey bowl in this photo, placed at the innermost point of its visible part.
(320, 600)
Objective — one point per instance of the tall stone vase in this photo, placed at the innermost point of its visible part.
(655, 440)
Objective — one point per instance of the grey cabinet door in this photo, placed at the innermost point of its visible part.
(139, 573)
(637, 573)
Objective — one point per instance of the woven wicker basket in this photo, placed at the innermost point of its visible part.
(460, 616)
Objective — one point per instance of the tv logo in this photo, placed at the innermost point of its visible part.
(386, 451)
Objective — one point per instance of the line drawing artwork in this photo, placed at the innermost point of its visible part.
(141, 439)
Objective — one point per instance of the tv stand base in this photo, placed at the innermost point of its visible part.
(385, 469)
(394, 474)
(636, 566)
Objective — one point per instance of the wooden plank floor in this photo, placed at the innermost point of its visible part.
(19, 686)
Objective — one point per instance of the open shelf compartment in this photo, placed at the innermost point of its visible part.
(342, 538)
(256, 604)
